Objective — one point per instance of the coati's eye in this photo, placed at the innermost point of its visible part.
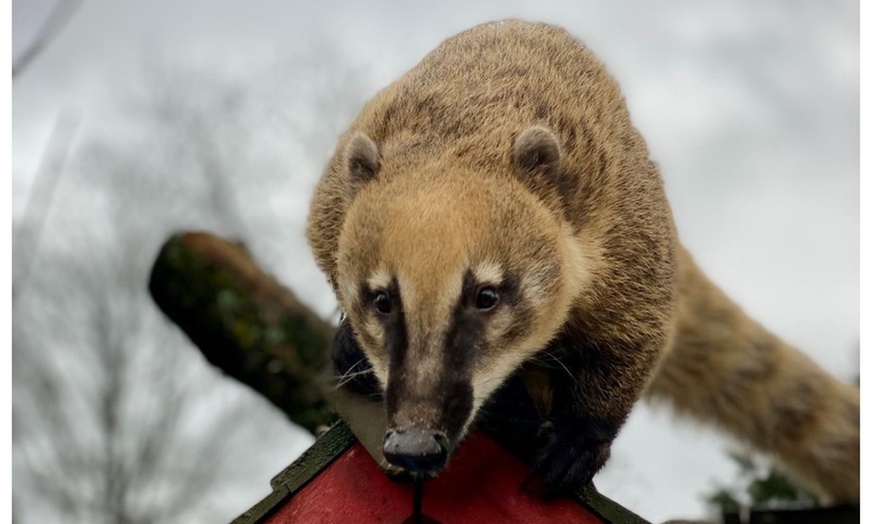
(486, 298)
(383, 303)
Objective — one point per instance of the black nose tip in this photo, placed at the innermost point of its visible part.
(417, 450)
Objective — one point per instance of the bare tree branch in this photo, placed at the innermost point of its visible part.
(245, 323)
(59, 17)
(29, 230)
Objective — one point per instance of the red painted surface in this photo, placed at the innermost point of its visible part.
(481, 485)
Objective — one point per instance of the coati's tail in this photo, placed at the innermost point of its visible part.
(724, 368)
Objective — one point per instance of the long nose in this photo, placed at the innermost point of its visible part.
(422, 451)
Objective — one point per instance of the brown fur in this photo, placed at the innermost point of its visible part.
(511, 141)
(726, 369)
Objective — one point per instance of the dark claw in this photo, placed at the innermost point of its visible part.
(569, 456)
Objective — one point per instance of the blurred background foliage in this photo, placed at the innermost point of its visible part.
(760, 485)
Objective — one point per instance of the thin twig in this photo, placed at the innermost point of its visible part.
(32, 223)
(54, 23)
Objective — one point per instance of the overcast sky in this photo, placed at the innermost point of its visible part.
(750, 109)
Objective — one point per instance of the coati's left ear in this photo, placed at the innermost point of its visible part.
(363, 161)
(537, 154)
(535, 149)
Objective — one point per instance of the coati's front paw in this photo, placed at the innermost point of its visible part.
(567, 458)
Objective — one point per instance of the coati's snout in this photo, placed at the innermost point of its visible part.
(427, 412)
(424, 426)
(417, 450)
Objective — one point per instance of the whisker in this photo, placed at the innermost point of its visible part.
(349, 375)
(568, 371)
(347, 378)
(546, 359)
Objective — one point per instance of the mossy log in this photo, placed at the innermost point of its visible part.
(246, 323)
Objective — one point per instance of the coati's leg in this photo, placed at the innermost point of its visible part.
(593, 388)
(726, 369)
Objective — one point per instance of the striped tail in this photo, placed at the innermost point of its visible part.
(726, 369)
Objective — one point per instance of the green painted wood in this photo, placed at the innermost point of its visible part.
(297, 475)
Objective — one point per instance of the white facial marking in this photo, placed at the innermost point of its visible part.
(495, 376)
(498, 324)
(489, 273)
(382, 373)
(349, 291)
(407, 290)
(380, 279)
(577, 262)
(375, 329)
(533, 286)
(452, 292)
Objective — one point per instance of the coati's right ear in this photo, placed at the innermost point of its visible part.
(536, 153)
(362, 160)
(536, 149)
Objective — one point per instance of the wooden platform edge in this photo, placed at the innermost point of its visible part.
(297, 475)
(339, 438)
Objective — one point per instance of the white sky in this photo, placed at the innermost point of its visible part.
(750, 109)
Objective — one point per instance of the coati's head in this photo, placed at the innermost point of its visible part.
(451, 279)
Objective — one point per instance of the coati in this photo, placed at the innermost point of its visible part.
(495, 205)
